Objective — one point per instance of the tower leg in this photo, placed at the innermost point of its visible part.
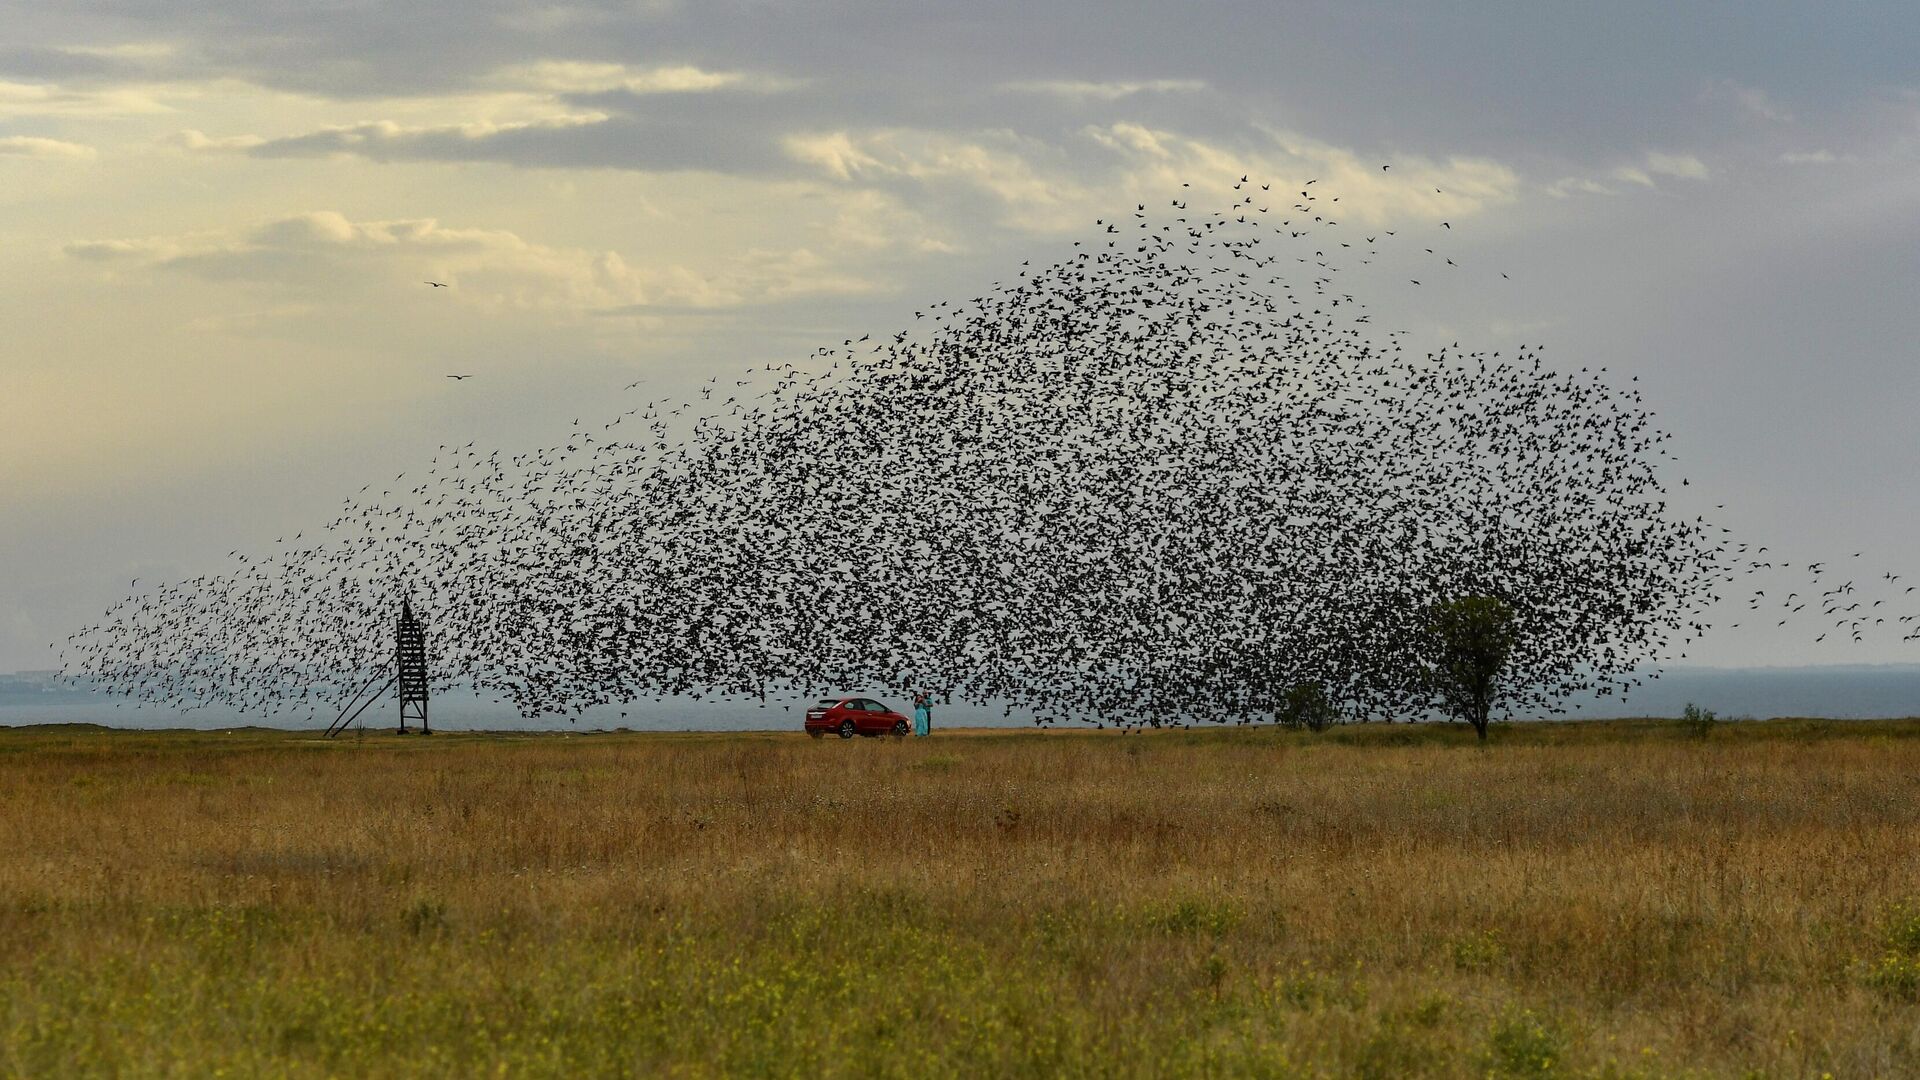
(410, 662)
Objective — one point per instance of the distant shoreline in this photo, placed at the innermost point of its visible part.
(1840, 692)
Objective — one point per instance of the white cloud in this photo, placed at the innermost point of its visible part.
(380, 138)
(1075, 89)
(1753, 100)
(51, 99)
(997, 164)
(553, 18)
(1813, 157)
(1577, 185)
(107, 250)
(537, 115)
(330, 257)
(45, 149)
(1683, 166)
(192, 139)
(1645, 173)
(129, 50)
(836, 153)
(585, 77)
(1414, 188)
(1048, 188)
(871, 221)
(1632, 175)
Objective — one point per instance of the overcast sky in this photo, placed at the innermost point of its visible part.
(216, 218)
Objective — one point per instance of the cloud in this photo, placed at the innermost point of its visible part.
(994, 163)
(1683, 166)
(324, 254)
(729, 137)
(585, 77)
(553, 18)
(124, 62)
(1080, 90)
(1415, 188)
(999, 165)
(1811, 157)
(109, 250)
(837, 153)
(126, 50)
(1577, 185)
(867, 221)
(193, 139)
(1751, 99)
(1054, 187)
(52, 99)
(44, 149)
(385, 140)
(1644, 173)
(548, 114)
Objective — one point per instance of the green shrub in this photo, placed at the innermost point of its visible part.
(1394, 1052)
(1309, 990)
(1213, 971)
(1306, 705)
(1699, 722)
(1524, 1043)
(1431, 1010)
(1194, 917)
(1902, 928)
(1481, 952)
(1408, 1043)
(1897, 973)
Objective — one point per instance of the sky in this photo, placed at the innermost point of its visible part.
(217, 219)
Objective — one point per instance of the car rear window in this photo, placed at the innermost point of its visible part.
(826, 703)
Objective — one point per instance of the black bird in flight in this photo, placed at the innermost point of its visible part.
(1056, 423)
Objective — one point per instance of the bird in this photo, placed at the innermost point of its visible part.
(437, 284)
(1038, 434)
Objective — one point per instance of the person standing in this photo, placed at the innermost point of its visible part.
(922, 713)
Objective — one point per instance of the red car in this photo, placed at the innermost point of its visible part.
(850, 716)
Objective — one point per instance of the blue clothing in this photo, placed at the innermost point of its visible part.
(922, 719)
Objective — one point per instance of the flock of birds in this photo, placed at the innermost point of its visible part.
(1163, 479)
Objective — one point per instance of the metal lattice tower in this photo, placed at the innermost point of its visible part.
(410, 666)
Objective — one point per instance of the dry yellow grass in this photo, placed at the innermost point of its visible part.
(1606, 899)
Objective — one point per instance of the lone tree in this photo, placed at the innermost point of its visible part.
(1468, 643)
(1306, 705)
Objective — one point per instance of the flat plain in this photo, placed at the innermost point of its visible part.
(1608, 899)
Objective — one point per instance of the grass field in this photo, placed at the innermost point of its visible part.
(1612, 899)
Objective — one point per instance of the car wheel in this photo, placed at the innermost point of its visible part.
(815, 734)
(899, 729)
(847, 730)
